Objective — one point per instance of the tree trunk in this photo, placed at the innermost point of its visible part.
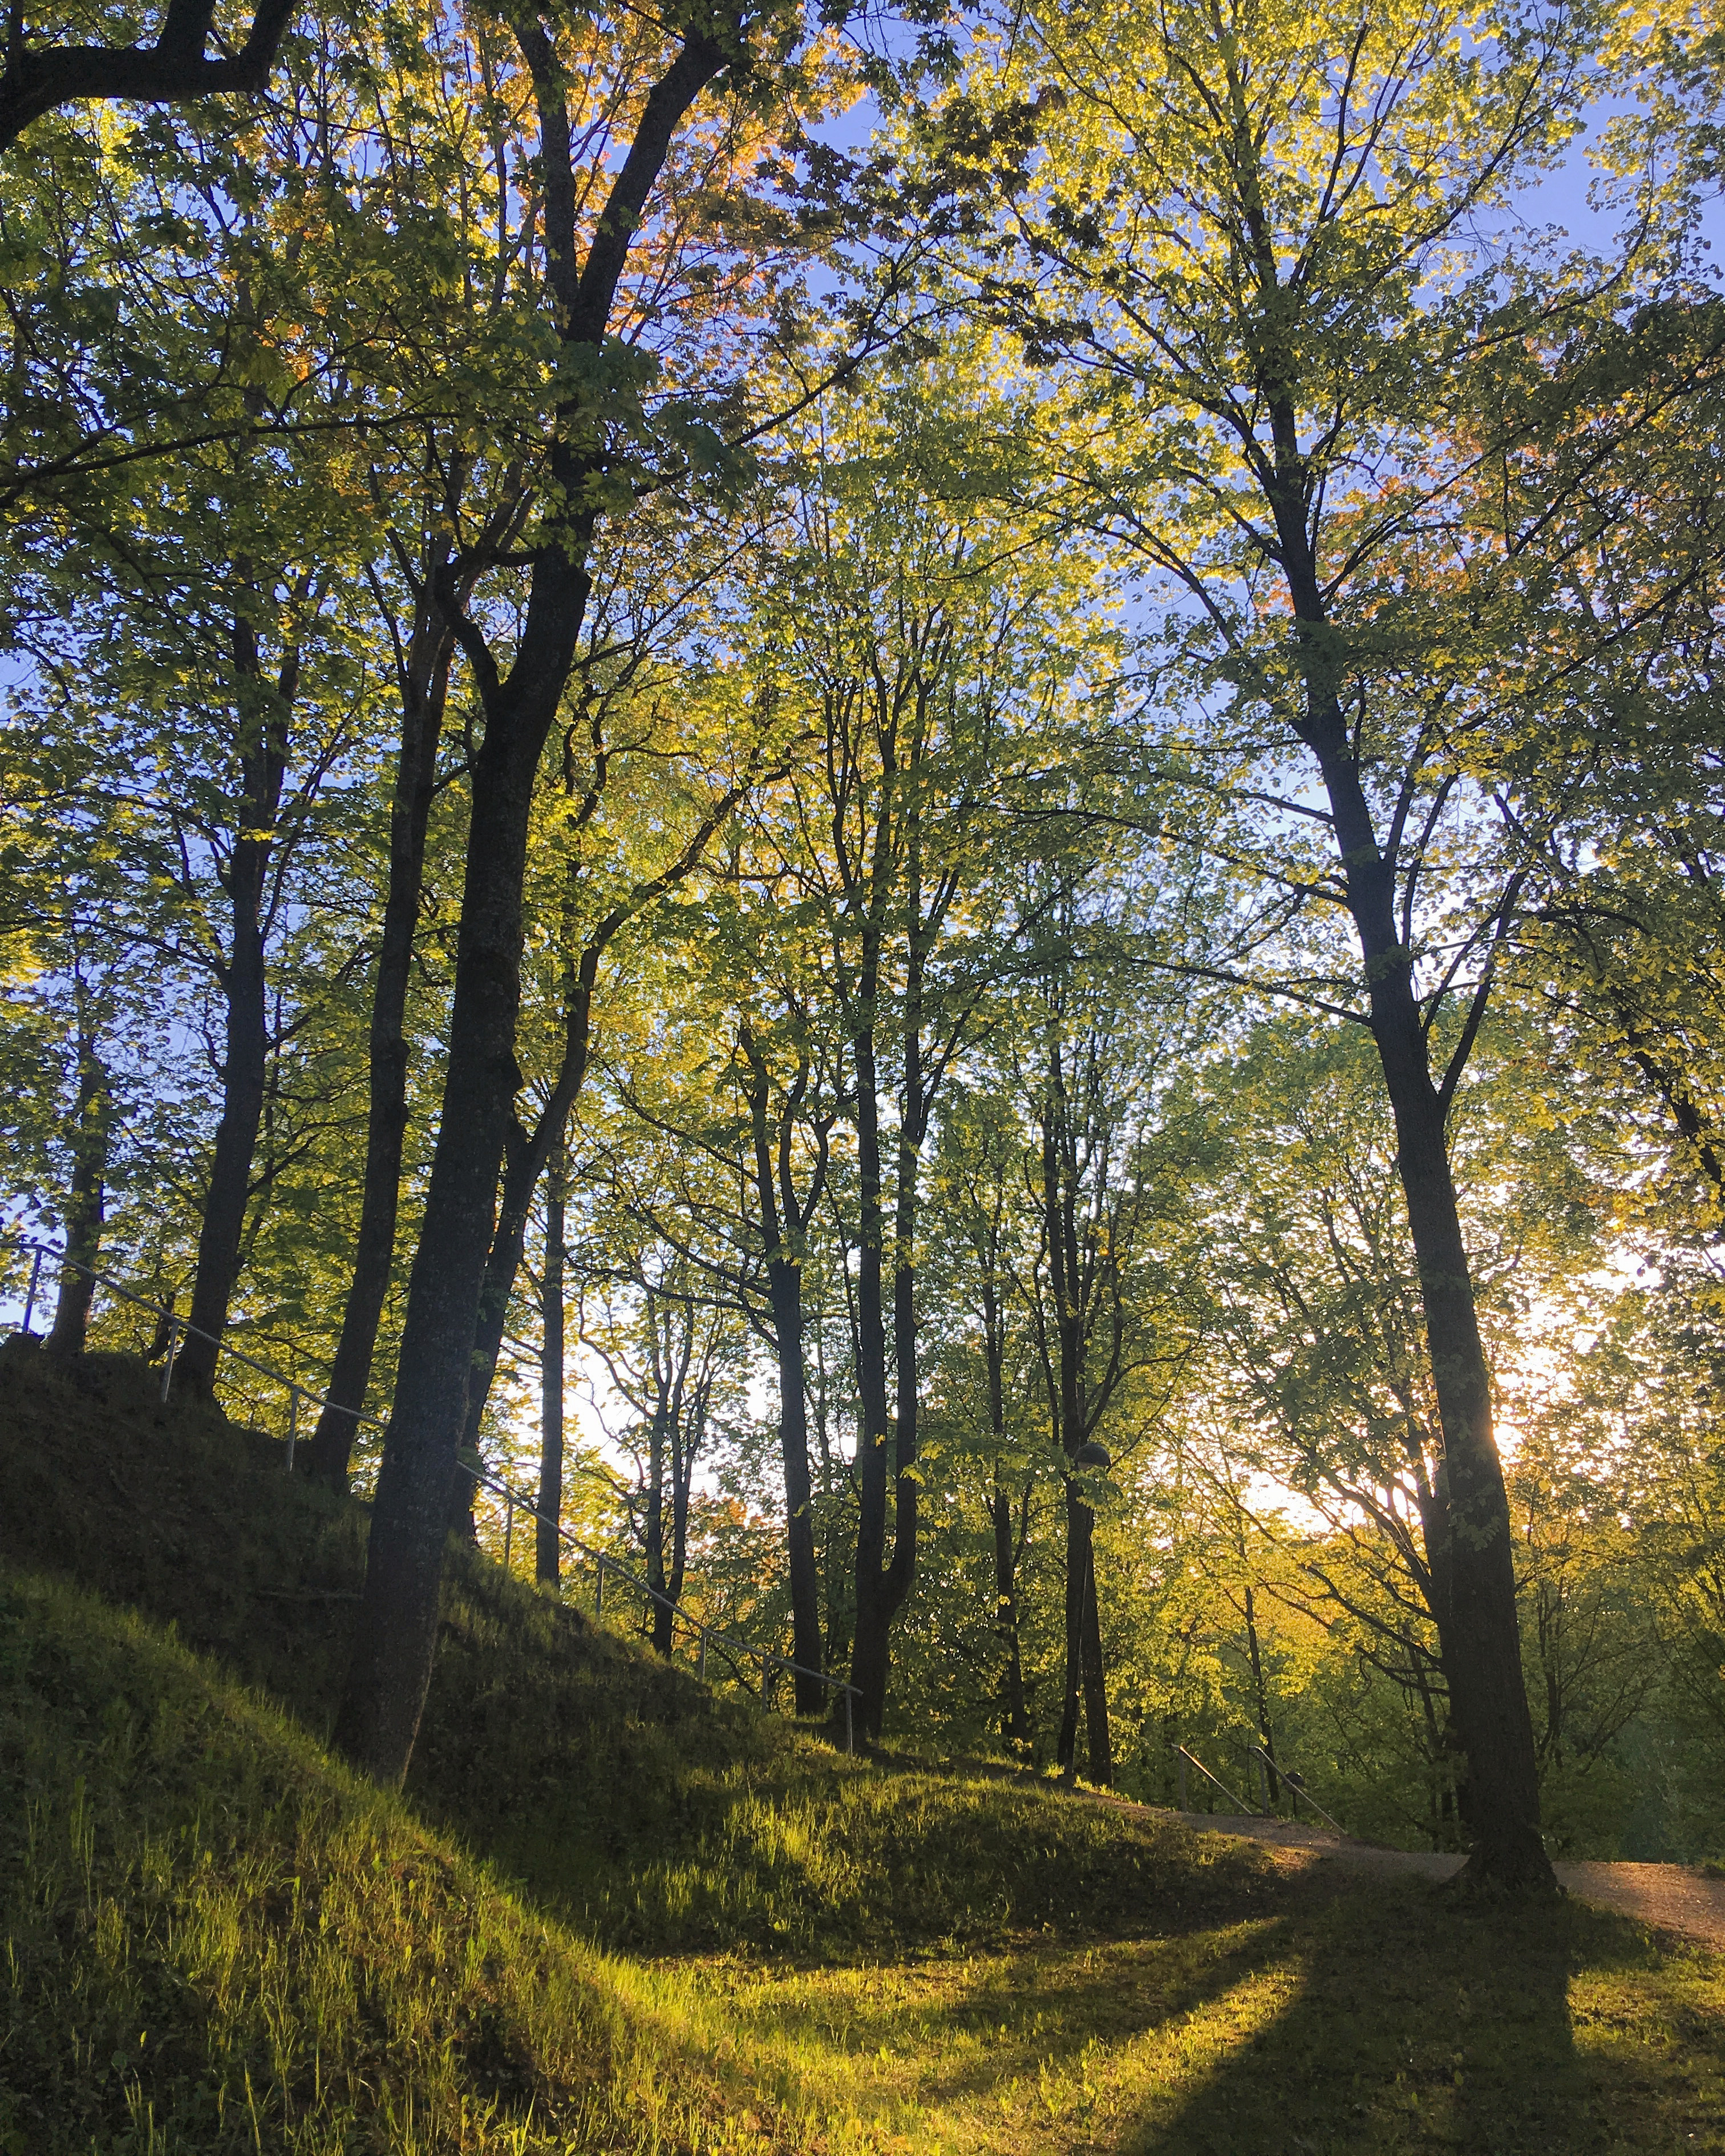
(547, 1544)
(686, 1437)
(395, 1639)
(263, 766)
(424, 689)
(1085, 1677)
(1014, 1710)
(85, 1210)
(1260, 1697)
(784, 1289)
(1478, 1631)
(1096, 1687)
(868, 1652)
(1078, 1520)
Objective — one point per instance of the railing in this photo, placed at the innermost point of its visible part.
(1293, 1781)
(1290, 1779)
(772, 1664)
(1186, 1759)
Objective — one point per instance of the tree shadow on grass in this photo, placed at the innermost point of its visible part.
(1420, 2021)
(1038, 2014)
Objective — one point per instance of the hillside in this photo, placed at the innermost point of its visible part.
(652, 1811)
(615, 1913)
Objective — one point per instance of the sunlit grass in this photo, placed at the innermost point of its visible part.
(214, 1939)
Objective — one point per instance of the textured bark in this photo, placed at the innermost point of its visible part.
(396, 1636)
(264, 715)
(38, 78)
(85, 1210)
(423, 686)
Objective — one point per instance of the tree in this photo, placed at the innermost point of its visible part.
(1249, 231)
(520, 697)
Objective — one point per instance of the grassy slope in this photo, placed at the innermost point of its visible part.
(303, 1960)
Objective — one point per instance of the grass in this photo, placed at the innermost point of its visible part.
(216, 1939)
(1380, 2015)
(614, 1913)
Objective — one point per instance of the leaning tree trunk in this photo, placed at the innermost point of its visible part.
(85, 1210)
(424, 689)
(262, 767)
(1478, 1630)
(396, 1636)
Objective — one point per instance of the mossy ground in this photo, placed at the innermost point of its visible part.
(615, 1913)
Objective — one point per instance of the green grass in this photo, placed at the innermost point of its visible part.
(1381, 2015)
(216, 1939)
(615, 1913)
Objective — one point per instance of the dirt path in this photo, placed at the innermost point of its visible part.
(1673, 1897)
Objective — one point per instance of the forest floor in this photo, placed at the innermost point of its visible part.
(616, 1914)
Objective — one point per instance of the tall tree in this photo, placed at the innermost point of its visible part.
(1253, 223)
(520, 696)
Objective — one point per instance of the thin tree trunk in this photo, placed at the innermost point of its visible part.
(1260, 1697)
(396, 1636)
(868, 1652)
(547, 1544)
(1096, 1687)
(685, 1437)
(784, 1289)
(262, 767)
(1014, 1710)
(424, 689)
(85, 1210)
(1084, 1678)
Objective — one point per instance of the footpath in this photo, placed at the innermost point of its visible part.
(1670, 1898)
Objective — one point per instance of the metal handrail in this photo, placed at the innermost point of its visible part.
(481, 1475)
(1296, 1781)
(1242, 1810)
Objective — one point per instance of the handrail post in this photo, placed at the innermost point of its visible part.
(508, 1525)
(1180, 1754)
(30, 1299)
(765, 1680)
(173, 1349)
(850, 1727)
(700, 1664)
(598, 1593)
(292, 1424)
